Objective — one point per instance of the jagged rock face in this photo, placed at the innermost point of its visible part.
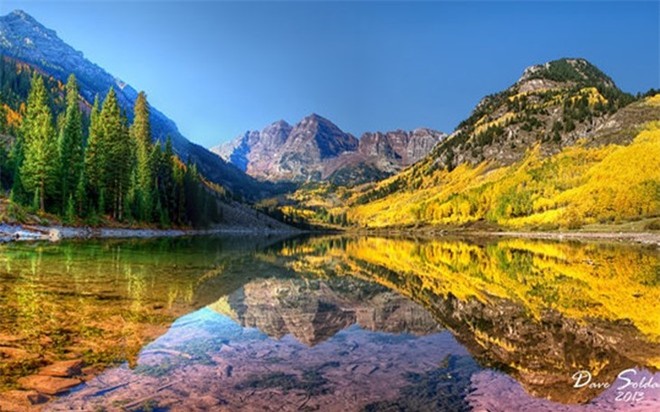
(26, 40)
(255, 150)
(380, 155)
(321, 137)
(310, 143)
(399, 148)
(316, 149)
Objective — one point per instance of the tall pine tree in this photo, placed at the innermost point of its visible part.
(40, 165)
(141, 135)
(95, 159)
(70, 144)
(118, 162)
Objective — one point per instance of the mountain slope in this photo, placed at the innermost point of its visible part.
(561, 147)
(25, 39)
(553, 104)
(190, 206)
(315, 149)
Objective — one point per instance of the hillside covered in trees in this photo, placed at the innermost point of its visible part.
(561, 148)
(86, 163)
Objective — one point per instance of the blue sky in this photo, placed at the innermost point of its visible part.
(220, 68)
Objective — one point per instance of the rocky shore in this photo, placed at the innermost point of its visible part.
(10, 233)
(646, 238)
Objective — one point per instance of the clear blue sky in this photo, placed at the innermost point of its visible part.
(220, 68)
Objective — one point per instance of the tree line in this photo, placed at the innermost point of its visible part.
(85, 167)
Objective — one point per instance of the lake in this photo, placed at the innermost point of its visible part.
(329, 323)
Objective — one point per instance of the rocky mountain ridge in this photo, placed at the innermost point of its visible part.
(552, 104)
(316, 149)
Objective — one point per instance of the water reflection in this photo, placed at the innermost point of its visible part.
(345, 323)
(102, 301)
(538, 310)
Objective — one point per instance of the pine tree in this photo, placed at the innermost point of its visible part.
(70, 211)
(118, 162)
(155, 160)
(81, 201)
(141, 135)
(14, 163)
(95, 157)
(4, 168)
(40, 166)
(70, 143)
(168, 174)
(179, 196)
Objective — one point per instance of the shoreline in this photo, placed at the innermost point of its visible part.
(13, 233)
(645, 238)
(23, 233)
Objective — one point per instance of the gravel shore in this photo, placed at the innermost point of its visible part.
(10, 233)
(646, 238)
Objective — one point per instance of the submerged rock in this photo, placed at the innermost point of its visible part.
(18, 400)
(63, 369)
(49, 385)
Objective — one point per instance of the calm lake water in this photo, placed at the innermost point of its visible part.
(333, 324)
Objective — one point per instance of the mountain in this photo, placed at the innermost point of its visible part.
(316, 149)
(26, 40)
(561, 147)
(554, 104)
(283, 152)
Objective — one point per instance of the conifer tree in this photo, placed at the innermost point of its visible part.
(178, 214)
(116, 169)
(155, 161)
(141, 135)
(118, 164)
(168, 175)
(70, 144)
(14, 163)
(40, 166)
(81, 201)
(95, 156)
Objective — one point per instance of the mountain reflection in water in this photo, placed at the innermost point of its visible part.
(390, 324)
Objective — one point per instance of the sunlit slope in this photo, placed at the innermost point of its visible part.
(563, 147)
(581, 184)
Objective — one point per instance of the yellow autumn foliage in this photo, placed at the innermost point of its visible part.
(653, 100)
(579, 185)
(482, 125)
(12, 117)
(593, 96)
